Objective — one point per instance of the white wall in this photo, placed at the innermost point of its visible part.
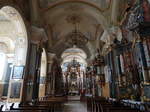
(3, 65)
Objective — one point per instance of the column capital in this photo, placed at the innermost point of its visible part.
(38, 35)
(51, 57)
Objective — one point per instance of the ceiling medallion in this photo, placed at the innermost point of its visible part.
(11, 12)
(73, 18)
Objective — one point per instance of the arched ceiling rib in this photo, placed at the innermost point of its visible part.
(91, 24)
(100, 5)
(74, 53)
(13, 34)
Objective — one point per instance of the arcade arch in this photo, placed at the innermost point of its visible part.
(13, 52)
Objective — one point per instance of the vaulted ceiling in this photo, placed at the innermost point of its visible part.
(90, 22)
(93, 18)
(12, 29)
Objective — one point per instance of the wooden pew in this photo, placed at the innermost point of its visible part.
(44, 106)
(1, 107)
(99, 101)
(116, 108)
(89, 104)
(24, 111)
(120, 110)
(31, 108)
(102, 105)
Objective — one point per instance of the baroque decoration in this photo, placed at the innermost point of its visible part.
(75, 37)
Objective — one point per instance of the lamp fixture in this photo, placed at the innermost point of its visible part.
(76, 37)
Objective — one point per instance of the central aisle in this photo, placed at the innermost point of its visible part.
(75, 106)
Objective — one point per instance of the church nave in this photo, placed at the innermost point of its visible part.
(75, 55)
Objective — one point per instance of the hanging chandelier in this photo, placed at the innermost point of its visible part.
(76, 37)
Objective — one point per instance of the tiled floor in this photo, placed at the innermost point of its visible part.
(75, 106)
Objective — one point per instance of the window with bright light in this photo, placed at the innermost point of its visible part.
(2, 64)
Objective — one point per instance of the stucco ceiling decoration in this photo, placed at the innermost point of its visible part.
(10, 12)
(38, 35)
(13, 34)
(6, 24)
(75, 36)
(71, 58)
(9, 32)
(101, 5)
(3, 47)
(8, 29)
(90, 19)
(73, 8)
(74, 18)
(68, 6)
(3, 18)
(13, 26)
(8, 42)
(74, 53)
(111, 34)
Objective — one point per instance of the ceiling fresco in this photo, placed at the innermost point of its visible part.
(87, 19)
(64, 19)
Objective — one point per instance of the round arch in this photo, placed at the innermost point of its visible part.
(74, 52)
(73, 65)
(13, 35)
(99, 11)
(18, 34)
(79, 1)
(88, 11)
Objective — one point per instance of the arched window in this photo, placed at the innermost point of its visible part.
(43, 71)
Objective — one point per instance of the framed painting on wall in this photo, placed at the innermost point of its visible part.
(18, 72)
(147, 91)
